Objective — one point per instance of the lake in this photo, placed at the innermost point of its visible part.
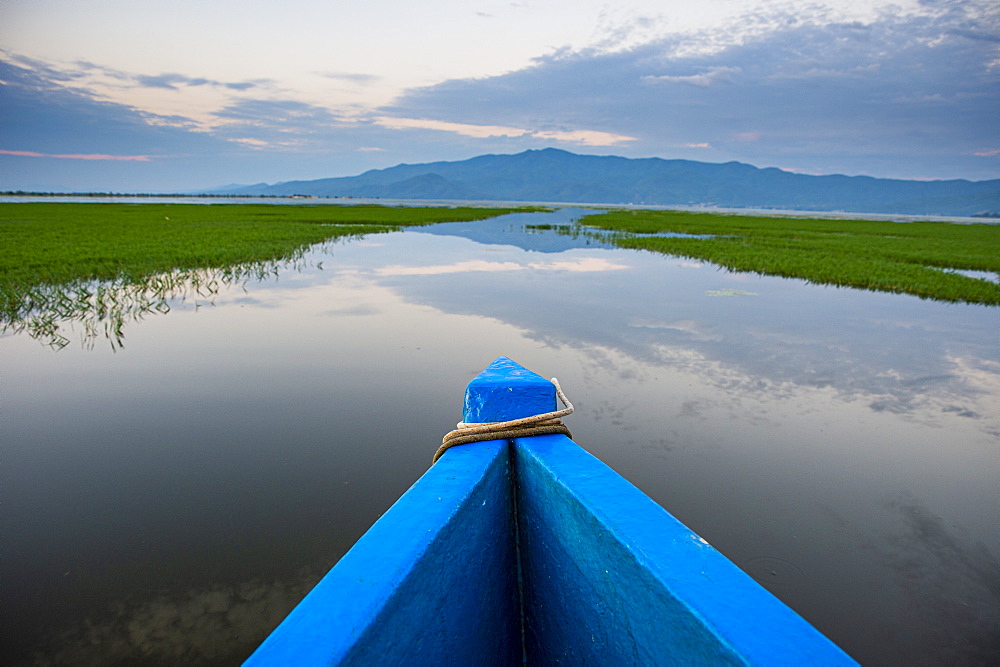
(169, 500)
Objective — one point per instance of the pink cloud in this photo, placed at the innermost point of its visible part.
(80, 156)
(988, 153)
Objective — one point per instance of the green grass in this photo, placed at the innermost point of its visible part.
(912, 258)
(54, 243)
(103, 264)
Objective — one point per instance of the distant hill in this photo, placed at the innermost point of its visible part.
(553, 175)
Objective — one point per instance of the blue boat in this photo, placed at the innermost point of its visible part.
(520, 547)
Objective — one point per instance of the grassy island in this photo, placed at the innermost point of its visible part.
(55, 243)
(919, 258)
(104, 264)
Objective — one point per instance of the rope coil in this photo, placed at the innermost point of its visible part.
(542, 424)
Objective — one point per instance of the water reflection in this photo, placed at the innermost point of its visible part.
(778, 330)
(554, 232)
(197, 626)
(96, 310)
(841, 446)
(951, 577)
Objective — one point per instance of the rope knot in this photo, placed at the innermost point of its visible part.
(541, 424)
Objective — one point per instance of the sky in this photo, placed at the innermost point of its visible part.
(152, 96)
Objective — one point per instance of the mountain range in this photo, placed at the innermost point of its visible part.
(552, 175)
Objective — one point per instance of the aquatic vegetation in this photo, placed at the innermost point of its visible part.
(102, 265)
(919, 258)
(728, 292)
(546, 227)
(101, 309)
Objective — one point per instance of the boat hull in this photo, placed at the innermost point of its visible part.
(534, 550)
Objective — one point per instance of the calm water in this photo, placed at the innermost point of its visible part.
(170, 501)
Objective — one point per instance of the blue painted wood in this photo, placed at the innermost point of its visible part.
(610, 577)
(431, 582)
(506, 390)
(537, 552)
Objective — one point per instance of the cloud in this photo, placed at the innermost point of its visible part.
(250, 141)
(906, 95)
(96, 145)
(100, 80)
(169, 81)
(580, 137)
(79, 156)
(39, 114)
(828, 97)
(351, 77)
(284, 113)
(18, 68)
(45, 110)
(465, 129)
(712, 77)
(472, 265)
(581, 265)
(277, 124)
(584, 137)
(88, 72)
